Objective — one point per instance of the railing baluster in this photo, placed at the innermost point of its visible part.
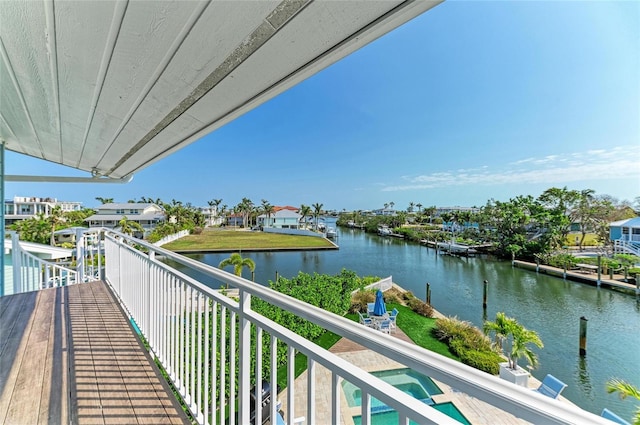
(311, 390)
(232, 367)
(274, 377)
(335, 398)
(244, 368)
(291, 376)
(258, 376)
(207, 388)
(214, 357)
(365, 410)
(223, 361)
(199, 361)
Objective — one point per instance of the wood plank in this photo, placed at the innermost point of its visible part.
(14, 329)
(27, 391)
(54, 401)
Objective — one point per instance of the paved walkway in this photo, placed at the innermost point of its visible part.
(69, 355)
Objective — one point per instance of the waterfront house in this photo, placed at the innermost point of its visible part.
(625, 235)
(24, 207)
(281, 218)
(146, 215)
(235, 219)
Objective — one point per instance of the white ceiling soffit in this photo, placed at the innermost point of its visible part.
(110, 87)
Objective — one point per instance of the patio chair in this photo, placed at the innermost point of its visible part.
(608, 414)
(392, 318)
(385, 326)
(551, 386)
(366, 320)
(370, 307)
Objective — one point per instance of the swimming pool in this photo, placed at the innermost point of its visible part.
(415, 384)
(391, 417)
(411, 382)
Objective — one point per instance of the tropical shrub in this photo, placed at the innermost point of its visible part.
(469, 343)
(360, 299)
(420, 307)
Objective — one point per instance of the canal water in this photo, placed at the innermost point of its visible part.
(550, 306)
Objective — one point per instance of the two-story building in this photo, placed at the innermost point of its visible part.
(282, 218)
(145, 214)
(22, 208)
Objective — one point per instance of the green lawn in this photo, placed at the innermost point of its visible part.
(418, 329)
(230, 240)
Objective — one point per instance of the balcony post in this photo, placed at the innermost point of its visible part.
(80, 255)
(245, 359)
(16, 261)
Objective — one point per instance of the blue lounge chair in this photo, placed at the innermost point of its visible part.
(551, 386)
(608, 414)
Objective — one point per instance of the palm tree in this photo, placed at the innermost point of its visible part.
(508, 328)
(104, 200)
(56, 217)
(500, 327)
(625, 389)
(267, 209)
(305, 211)
(317, 210)
(522, 337)
(129, 226)
(238, 264)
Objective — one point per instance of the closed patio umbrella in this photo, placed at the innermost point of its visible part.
(379, 308)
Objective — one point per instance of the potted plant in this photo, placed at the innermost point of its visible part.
(520, 338)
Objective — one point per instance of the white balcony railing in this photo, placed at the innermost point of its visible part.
(204, 340)
(32, 273)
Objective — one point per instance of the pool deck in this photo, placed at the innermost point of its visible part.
(475, 410)
(69, 356)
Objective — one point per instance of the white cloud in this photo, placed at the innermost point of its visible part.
(615, 163)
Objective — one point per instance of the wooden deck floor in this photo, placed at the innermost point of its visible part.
(69, 355)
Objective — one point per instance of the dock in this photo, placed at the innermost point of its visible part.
(69, 355)
(582, 274)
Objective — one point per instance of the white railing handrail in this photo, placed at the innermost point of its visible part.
(519, 401)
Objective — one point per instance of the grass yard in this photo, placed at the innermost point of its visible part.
(230, 240)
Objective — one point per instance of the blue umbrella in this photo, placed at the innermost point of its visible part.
(379, 308)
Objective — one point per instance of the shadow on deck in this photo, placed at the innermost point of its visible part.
(69, 355)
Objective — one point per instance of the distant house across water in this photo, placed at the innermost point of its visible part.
(23, 207)
(109, 215)
(282, 218)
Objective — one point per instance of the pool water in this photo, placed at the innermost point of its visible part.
(391, 417)
(411, 382)
(415, 384)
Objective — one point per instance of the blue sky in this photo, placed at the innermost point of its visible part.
(468, 102)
